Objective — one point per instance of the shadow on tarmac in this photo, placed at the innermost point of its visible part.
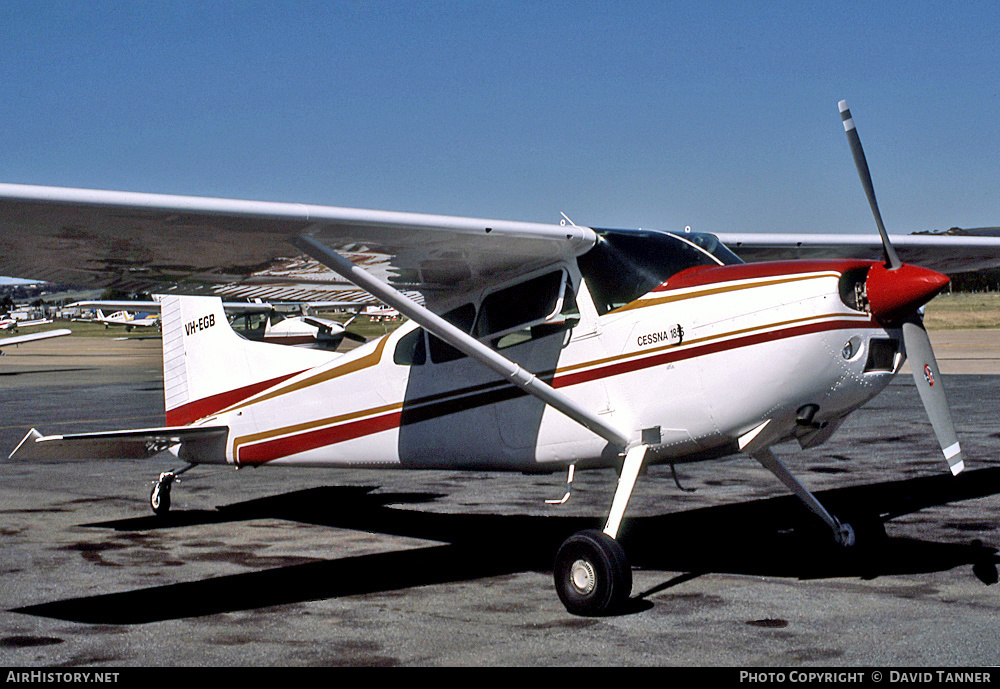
(774, 537)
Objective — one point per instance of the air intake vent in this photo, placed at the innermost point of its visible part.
(882, 355)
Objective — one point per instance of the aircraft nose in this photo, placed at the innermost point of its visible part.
(893, 295)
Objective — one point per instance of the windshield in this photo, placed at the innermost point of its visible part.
(625, 264)
(711, 244)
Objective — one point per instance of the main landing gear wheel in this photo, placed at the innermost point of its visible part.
(845, 536)
(592, 574)
(159, 497)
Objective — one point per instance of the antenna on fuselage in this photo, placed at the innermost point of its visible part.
(565, 220)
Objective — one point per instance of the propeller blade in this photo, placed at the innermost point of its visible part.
(895, 293)
(891, 259)
(928, 381)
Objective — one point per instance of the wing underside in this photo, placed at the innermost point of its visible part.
(139, 242)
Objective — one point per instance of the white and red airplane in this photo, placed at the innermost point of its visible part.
(537, 348)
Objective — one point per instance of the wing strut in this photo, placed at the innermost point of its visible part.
(434, 324)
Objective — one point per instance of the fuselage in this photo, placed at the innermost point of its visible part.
(688, 368)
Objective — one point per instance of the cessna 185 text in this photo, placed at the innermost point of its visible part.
(563, 347)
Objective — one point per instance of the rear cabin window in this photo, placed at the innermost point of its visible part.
(410, 350)
(462, 318)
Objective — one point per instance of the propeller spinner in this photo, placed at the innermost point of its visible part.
(895, 292)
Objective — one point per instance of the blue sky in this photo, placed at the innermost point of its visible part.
(721, 116)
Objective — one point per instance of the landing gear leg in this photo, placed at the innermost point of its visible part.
(592, 574)
(159, 496)
(843, 533)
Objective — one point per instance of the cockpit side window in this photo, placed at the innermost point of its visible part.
(529, 302)
(539, 307)
(624, 265)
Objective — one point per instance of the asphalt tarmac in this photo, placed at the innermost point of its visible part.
(285, 567)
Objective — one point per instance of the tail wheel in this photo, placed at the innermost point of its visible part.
(592, 574)
(159, 497)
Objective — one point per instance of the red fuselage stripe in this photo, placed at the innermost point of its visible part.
(206, 406)
(704, 276)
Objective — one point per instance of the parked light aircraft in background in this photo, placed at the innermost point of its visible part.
(8, 323)
(537, 347)
(127, 319)
(263, 321)
(272, 325)
(378, 313)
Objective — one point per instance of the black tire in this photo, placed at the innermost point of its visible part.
(592, 574)
(869, 531)
(159, 499)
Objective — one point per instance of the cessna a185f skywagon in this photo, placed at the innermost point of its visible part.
(563, 347)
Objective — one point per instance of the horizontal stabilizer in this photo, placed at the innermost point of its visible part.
(201, 444)
(31, 337)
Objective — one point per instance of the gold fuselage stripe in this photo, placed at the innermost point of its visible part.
(357, 365)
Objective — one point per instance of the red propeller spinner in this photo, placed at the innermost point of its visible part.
(895, 294)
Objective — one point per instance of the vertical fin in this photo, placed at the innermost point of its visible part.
(208, 367)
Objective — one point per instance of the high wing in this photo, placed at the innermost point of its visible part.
(140, 241)
(945, 253)
(234, 248)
